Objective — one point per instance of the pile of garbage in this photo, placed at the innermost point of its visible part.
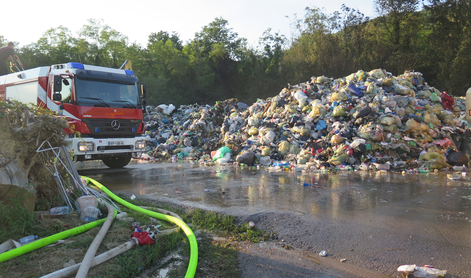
(366, 120)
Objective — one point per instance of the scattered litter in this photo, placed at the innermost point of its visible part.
(59, 242)
(133, 197)
(59, 210)
(121, 215)
(363, 121)
(323, 253)
(426, 271)
(251, 225)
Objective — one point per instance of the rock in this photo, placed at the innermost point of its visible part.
(246, 157)
(457, 159)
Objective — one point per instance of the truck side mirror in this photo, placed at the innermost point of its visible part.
(57, 83)
(143, 92)
(56, 97)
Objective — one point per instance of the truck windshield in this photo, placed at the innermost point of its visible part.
(106, 93)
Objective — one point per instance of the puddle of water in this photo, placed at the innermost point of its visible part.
(411, 201)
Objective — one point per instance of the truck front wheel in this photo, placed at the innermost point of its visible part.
(117, 161)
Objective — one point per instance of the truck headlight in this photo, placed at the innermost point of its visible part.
(140, 145)
(85, 146)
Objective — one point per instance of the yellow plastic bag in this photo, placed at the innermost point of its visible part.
(339, 111)
(377, 73)
(339, 96)
(336, 139)
(412, 126)
(283, 148)
(253, 131)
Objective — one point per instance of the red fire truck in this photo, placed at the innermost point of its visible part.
(103, 105)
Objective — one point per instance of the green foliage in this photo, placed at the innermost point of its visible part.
(217, 64)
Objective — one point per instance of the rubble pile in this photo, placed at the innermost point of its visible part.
(366, 120)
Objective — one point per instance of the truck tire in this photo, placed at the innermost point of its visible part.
(117, 161)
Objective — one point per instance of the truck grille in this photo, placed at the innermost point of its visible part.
(112, 128)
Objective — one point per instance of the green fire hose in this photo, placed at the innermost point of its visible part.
(190, 273)
(189, 233)
(49, 240)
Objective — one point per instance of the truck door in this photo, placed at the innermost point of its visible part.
(62, 92)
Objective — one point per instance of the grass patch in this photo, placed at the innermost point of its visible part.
(136, 260)
(215, 259)
(216, 222)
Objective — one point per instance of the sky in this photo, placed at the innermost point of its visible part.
(27, 20)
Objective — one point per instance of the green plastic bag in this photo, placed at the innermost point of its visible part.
(221, 152)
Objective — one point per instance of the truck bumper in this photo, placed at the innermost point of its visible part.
(88, 148)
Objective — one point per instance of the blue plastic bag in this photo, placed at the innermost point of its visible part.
(354, 90)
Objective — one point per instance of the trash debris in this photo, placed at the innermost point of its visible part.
(27, 239)
(250, 225)
(59, 210)
(323, 253)
(365, 121)
(426, 271)
(133, 197)
(88, 208)
(121, 215)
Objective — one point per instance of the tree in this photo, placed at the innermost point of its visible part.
(394, 12)
(101, 45)
(164, 36)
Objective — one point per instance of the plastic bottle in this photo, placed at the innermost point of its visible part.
(28, 239)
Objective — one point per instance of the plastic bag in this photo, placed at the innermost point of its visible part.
(321, 125)
(403, 90)
(431, 155)
(301, 130)
(354, 90)
(221, 152)
(167, 109)
(430, 117)
(294, 149)
(336, 139)
(339, 111)
(446, 118)
(322, 79)
(268, 137)
(224, 159)
(265, 151)
(377, 73)
(362, 112)
(339, 96)
(265, 160)
(253, 131)
(414, 126)
(338, 159)
(283, 148)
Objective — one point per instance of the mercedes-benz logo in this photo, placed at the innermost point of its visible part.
(115, 124)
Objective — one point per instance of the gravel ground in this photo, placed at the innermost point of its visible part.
(365, 250)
